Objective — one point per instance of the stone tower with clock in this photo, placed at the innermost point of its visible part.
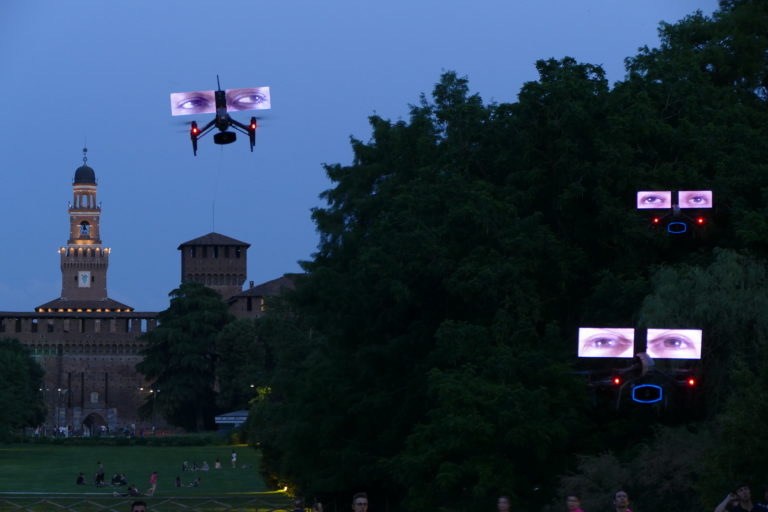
(84, 260)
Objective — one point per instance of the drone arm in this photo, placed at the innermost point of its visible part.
(249, 129)
(205, 129)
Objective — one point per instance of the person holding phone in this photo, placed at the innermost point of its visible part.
(738, 501)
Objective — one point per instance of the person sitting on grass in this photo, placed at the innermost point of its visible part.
(80, 479)
(178, 481)
(195, 483)
(132, 491)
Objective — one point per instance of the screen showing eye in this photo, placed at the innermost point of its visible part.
(695, 198)
(254, 98)
(204, 102)
(647, 199)
(606, 342)
(674, 343)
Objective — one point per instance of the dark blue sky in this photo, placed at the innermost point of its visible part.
(104, 70)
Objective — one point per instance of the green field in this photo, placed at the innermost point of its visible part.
(53, 469)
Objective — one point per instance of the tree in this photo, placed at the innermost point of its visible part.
(180, 358)
(21, 381)
(241, 365)
(461, 249)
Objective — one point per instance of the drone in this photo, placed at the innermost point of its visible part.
(679, 218)
(643, 381)
(221, 102)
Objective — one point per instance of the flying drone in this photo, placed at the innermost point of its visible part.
(642, 381)
(221, 102)
(688, 213)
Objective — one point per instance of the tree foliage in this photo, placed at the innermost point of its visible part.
(240, 367)
(181, 356)
(21, 382)
(426, 355)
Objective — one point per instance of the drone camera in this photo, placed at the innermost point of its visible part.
(224, 138)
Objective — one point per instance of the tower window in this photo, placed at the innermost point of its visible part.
(85, 229)
(205, 251)
(192, 252)
(237, 252)
(215, 251)
(226, 252)
(249, 304)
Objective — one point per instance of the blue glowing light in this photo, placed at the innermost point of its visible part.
(677, 229)
(647, 386)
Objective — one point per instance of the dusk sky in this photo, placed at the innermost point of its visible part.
(102, 71)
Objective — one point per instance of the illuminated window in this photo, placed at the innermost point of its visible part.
(94, 397)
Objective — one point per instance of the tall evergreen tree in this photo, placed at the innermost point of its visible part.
(180, 358)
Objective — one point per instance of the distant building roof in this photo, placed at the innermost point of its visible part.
(214, 239)
(60, 303)
(270, 288)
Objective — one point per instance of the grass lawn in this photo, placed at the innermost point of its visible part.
(53, 469)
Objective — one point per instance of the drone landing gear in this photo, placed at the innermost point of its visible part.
(224, 138)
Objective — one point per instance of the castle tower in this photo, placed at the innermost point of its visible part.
(215, 260)
(84, 260)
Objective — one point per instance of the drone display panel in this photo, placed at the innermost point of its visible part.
(674, 343)
(694, 198)
(606, 342)
(204, 102)
(648, 199)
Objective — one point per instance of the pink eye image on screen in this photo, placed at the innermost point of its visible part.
(647, 199)
(196, 102)
(606, 342)
(695, 198)
(674, 343)
(204, 102)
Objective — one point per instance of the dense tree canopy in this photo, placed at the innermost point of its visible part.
(427, 356)
(21, 382)
(180, 358)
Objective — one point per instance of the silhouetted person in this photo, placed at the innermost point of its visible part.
(621, 501)
(139, 506)
(738, 501)
(573, 503)
(360, 502)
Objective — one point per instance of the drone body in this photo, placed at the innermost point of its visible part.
(220, 102)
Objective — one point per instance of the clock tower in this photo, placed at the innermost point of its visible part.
(84, 260)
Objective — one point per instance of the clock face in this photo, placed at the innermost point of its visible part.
(84, 279)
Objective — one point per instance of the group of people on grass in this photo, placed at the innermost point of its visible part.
(119, 479)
